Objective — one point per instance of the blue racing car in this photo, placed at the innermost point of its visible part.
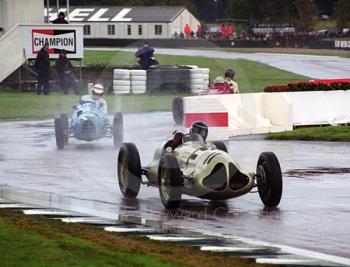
(89, 122)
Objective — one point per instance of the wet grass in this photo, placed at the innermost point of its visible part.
(15, 105)
(251, 76)
(35, 241)
(328, 133)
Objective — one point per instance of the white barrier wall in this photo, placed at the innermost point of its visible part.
(323, 107)
(241, 114)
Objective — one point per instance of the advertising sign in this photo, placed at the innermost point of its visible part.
(67, 37)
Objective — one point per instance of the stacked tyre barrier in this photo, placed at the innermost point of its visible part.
(122, 81)
(199, 79)
(184, 79)
(138, 79)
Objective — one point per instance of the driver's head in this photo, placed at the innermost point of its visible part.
(229, 73)
(98, 90)
(200, 128)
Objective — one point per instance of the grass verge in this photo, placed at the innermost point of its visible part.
(35, 241)
(251, 76)
(328, 133)
(29, 105)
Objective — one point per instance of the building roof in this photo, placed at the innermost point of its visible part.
(121, 13)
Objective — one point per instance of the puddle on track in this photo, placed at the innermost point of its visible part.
(315, 172)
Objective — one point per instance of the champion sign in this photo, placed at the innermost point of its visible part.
(57, 40)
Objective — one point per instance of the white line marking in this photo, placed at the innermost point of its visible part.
(286, 261)
(231, 249)
(288, 249)
(84, 220)
(128, 230)
(173, 238)
(48, 212)
(15, 206)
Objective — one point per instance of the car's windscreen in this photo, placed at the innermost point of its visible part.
(192, 137)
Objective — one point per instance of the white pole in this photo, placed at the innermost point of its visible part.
(68, 10)
(57, 6)
(48, 10)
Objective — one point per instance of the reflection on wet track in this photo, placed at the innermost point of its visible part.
(313, 214)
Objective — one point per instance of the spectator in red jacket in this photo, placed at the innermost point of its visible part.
(229, 31)
(223, 31)
(187, 31)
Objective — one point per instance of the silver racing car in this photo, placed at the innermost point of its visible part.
(186, 164)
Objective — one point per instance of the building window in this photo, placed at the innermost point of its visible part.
(111, 29)
(129, 29)
(87, 30)
(158, 29)
(140, 29)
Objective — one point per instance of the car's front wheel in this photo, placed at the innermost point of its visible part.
(269, 179)
(178, 110)
(118, 129)
(129, 170)
(60, 133)
(170, 181)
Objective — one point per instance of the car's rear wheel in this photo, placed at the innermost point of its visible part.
(118, 129)
(60, 133)
(65, 122)
(178, 110)
(170, 181)
(220, 145)
(129, 170)
(269, 179)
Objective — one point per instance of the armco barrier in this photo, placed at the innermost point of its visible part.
(242, 114)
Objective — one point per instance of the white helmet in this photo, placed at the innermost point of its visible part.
(98, 89)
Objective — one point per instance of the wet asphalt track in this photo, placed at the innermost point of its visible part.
(314, 212)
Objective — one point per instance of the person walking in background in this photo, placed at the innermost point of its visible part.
(60, 19)
(42, 65)
(187, 31)
(65, 73)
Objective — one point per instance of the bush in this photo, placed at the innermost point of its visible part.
(308, 86)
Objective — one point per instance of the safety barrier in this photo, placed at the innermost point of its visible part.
(179, 79)
(243, 114)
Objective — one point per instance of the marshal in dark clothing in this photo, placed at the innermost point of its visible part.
(145, 54)
(42, 65)
(61, 19)
(65, 74)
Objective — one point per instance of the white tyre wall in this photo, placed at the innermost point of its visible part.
(138, 89)
(139, 78)
(121, 89)
(121, 77)
(138, 83)
(138, 73)
(121, 83)
(197, 76)
(121, 72)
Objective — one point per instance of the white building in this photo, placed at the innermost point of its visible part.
(139, 22)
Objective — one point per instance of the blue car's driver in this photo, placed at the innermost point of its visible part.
(97, 93)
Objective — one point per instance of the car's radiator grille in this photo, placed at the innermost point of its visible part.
(237, 179)
(217, 180)
(88, 130)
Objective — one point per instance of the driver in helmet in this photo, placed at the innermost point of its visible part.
(229, 75)
(200, 128)
(97, 93)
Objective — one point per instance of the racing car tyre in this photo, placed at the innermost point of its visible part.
(220, 145)
(129, 170)
(269, 179)
(170, 181)
(118, 129)
(59, 132)
(178, 110)
(65, 122)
